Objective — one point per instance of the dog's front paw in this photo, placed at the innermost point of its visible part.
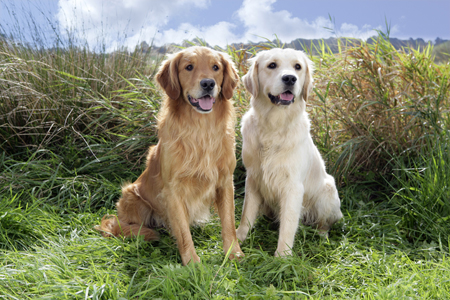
(234, 251)
(241, 234)
(190, 259)
(283, 252)
(237, 256)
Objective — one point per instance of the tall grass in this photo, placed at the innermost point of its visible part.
(424, 195)
(46, 94)
(378, 103)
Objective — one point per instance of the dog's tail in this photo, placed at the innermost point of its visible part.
(112, 226)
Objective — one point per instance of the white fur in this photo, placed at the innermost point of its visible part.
(286, 175)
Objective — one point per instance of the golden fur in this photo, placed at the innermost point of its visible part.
(192, 165)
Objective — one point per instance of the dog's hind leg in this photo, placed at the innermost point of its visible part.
(133, 214)
(111, 225)
(252, 203)
(325, 209)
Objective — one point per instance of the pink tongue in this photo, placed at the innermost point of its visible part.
(206, 103)
(286, 96)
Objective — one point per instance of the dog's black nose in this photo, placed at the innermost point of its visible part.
(289, 79)
(207, 84)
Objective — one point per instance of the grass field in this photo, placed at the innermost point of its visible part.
(75, 125)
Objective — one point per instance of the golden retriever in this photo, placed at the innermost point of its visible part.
(286, 175)
(192, 165)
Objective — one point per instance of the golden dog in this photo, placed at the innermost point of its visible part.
(192, 165)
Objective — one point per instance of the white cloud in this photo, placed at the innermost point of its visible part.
(353, 31)
(120, 22)
(126, 23)
(260, 19)
(219, 34)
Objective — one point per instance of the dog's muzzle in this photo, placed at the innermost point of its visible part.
(204, 103)
(285, 98)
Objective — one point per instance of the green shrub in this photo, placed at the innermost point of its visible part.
(77, 97)
(375, 103)
(424, 197)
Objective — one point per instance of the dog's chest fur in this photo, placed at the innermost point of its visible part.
(279, 137)
(203, 156)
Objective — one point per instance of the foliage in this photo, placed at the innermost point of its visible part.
(378, 103)
(424, 195)
(441, 53)
(75, 96)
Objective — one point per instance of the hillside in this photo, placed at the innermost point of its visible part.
(331, 44)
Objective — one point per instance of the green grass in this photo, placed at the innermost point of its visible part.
(75, 125)
(60, 256)
(442, 53)
(50, 250)
(424, 195)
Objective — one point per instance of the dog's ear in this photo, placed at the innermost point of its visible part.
(251, 81)
(230, 76)
(308, 84)
(167, 76)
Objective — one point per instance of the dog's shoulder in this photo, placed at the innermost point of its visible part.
(248, 121)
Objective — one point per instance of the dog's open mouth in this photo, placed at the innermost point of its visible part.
(204, 103)
(285, 98)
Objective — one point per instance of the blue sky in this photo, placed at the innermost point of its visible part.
(221, 22)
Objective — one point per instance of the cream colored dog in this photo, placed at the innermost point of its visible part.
(286, 175)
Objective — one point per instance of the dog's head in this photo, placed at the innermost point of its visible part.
(280, 75)
(199, 76)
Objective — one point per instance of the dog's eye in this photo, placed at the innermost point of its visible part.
(215, 68)
(272, 66)
(189, 67)
(298, 67)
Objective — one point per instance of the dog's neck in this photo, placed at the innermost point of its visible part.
(280, 118)
(204, 138)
